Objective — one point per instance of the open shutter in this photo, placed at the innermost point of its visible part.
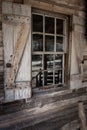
(17, 50)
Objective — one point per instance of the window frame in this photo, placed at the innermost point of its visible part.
(64, 36)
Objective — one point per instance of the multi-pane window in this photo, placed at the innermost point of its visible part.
(49, 42)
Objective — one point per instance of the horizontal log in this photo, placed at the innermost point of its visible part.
(42, 109)
(1, 62)
(1, 51)
(64, 3)
(15, 1)
(1, 58)
(0, 17)
(74, 125)
(30, 117)
(1, 68)
(1, 39)
(50, 7)
(0, 33)
(1, 43)
(42, 98)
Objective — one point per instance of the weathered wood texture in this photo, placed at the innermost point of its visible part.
(74, 125)
(17, 50)
(2, 51)
(74, 8)
(1, 57)
(82, 116)
(15, 1)
(66, 7)
(72, 3)
(47, 109)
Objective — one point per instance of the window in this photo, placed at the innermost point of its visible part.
(49, 46)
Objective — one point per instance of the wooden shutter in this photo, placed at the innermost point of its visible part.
(17, 50)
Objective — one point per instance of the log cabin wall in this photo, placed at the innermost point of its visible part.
(1, 55)
(77, 43)
(77, 52)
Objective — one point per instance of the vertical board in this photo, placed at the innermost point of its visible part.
(11, 33)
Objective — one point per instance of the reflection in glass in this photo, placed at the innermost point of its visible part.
(37, 23)
(49, 25)
(59, 26)
(58, 60)
(48, 61)
(49, 43)
(36, 70)
(59, 43)
(37, 42)
(59, 70)
(36, 64)
(48, 74)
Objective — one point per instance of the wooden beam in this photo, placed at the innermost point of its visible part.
(82, 116)
(18, 53)
(16, 19)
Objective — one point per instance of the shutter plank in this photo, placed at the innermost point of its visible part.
(18, 52)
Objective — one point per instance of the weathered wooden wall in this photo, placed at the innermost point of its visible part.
(52, 109)
(77, 42)
(2, 50)
(1, 54)
(77, 50)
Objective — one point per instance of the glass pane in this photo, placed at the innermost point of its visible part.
(49, 25)
(36, 64)
(48, 61)
(49, 43)
(58, 61)
(37, 42)
(58, 70)
(36, 70)
(59, 26)
(37, 23)
(48, 66)
(48, 77)
(59, 43)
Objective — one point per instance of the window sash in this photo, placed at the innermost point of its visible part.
(55, 35)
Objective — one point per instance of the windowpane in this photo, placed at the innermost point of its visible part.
(48, 65)
(49, 43)
(37, 42)
(59, 43)
(49, 25)
(59, 26)
(37, 23)
(36, 70)
(59, 69)
(48, 61)
(36, 64)
(58, 60)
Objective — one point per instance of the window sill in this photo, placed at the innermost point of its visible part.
(50, 89)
